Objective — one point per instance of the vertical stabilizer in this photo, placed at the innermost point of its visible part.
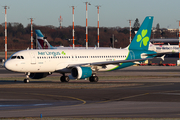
(142, 38)
(41, 41)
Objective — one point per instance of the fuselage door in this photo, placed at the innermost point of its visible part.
(33, 58)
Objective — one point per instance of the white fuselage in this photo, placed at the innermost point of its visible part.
(164, 48)
(57, 60)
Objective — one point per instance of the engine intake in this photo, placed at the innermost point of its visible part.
(81, 72)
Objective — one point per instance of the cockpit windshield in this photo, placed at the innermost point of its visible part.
(17, 57)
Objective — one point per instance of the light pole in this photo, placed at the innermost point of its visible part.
(87, 3)
(98, 25)
(6, 7)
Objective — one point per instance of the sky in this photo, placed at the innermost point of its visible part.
(112, 13)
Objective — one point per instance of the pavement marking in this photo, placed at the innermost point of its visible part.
(78, 99)
(144, 86)
(123, 98)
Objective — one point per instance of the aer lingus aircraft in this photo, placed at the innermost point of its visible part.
(82, 63)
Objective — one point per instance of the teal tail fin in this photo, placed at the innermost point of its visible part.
(142, 37)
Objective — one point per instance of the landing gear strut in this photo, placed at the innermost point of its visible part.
(64, 78)
(93, 79)
(26, 80)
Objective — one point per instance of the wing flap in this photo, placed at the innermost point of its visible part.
(117, 62)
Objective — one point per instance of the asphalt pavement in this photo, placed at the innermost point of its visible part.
(134, 92)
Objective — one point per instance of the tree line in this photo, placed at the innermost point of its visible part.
(19, 36)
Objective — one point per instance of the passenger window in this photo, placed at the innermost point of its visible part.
(22, 57)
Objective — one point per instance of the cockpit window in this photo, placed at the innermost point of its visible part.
(13, 57)
(17, 57)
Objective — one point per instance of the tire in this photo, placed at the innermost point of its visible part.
(93, 79)
(64, 79)
(26, 80)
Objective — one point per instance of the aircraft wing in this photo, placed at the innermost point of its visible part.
(117, 62)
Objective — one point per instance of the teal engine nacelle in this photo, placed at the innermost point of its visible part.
(81, 72)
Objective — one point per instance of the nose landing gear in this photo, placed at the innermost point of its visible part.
(26, 80)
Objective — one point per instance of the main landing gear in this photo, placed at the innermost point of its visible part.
(64, 78)
(93, 78)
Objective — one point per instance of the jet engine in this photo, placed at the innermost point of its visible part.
(81, 72)
(38, 75)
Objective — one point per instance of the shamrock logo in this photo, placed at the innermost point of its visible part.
(142, 38)
(63, 53)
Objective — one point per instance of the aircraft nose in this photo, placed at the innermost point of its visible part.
(8, 65)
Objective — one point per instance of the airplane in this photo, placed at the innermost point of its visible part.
(164, 48)
(82, 63)
(42, 43)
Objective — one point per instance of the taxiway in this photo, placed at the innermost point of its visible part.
(138, 92)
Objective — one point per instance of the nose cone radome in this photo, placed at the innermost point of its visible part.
(9, 65)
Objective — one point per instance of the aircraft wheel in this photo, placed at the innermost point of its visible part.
(64, 79)
(93, 79)
(26, 80)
